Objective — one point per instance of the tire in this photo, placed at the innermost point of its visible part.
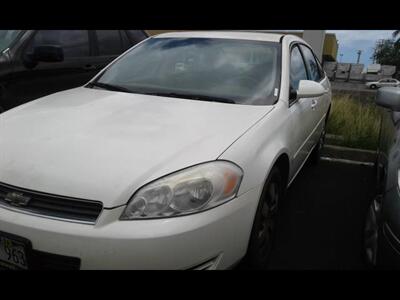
(264, 226)
(373, 86)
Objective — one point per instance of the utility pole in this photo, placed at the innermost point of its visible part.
(359, 54)
(341, 57)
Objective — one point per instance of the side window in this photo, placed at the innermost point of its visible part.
(75, 43)
(297, 68)
(126, 43)
(136, 36)
(320, 68)
(312, 65)
(109, 42)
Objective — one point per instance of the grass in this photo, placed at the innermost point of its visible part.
(356, 123)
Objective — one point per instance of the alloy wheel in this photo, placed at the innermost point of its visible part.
(267, 226)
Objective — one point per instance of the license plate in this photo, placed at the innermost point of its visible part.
(13, 252)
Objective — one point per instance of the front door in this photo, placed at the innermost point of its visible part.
(31, 80)
(319, 104)
(301, 111)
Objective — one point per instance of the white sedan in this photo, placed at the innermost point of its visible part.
(175, 156)
(382, 83)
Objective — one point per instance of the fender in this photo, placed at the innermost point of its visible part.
(255, 155)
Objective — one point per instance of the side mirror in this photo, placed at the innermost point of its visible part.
(48, 53)
(310, 89)
(388, 97)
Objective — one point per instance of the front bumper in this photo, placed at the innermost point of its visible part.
(219, 235)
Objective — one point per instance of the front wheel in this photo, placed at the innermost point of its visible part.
(373, 86)
(264, 226)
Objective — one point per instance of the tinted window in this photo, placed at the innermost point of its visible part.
(312, 65)
(75, 43)
(297, 68)
(109, 42)
(126, 43)
(241, 71)
(137, 35)
(7, 37)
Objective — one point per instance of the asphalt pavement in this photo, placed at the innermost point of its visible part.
(321, 219)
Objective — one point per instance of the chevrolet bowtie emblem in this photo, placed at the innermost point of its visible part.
(17, 199)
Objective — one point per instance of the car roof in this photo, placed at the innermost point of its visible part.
(242, 35)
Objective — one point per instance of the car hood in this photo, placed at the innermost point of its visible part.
(101, 145)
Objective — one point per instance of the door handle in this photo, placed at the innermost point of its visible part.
(89, 67)
(314, 103)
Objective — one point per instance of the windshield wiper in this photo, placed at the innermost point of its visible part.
(200, 97)
(192, 96)
(109, 87)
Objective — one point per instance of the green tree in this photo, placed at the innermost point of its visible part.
(396, 34)
(387, 52)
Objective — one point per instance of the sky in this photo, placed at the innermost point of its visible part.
(350, 41)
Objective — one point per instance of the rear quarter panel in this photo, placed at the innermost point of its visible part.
(389, 148)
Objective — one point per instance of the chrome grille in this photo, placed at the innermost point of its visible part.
(53, 206)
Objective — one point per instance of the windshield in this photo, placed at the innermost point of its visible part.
(211, 69)
(7, 37)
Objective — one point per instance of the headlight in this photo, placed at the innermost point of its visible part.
(188, 191)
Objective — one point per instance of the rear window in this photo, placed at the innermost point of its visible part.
(137, 36)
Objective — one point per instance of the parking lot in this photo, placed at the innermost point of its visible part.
(321, 222)
(197, 101)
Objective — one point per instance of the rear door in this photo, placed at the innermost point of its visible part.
(108, 45)
(392, 82)
(388, 150)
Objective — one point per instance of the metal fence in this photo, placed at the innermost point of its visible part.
(354, 72)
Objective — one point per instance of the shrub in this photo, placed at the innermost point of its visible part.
(356, 123)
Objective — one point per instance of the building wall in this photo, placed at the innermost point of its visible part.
(330, 47)
(316, 39)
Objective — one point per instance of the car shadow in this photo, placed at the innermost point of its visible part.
(321, 219)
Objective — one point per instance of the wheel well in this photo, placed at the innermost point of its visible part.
(327, 113)
(283, 164)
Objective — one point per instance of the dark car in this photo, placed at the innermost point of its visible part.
(35, 63)
(382, 226)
